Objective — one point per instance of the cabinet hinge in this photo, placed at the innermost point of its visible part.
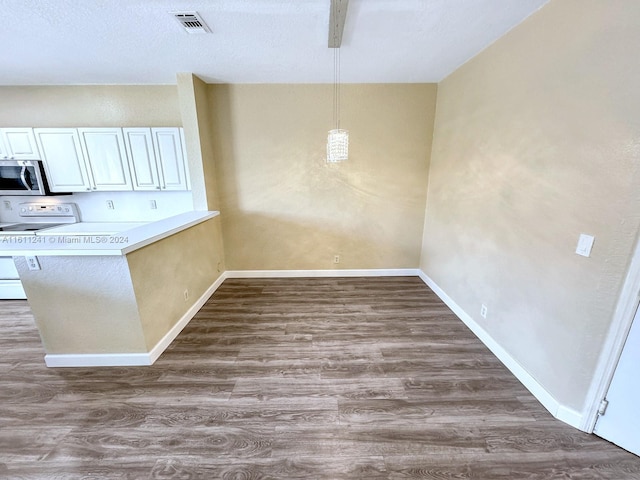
(603, 407)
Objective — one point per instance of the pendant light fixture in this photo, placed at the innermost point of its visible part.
(338, 139)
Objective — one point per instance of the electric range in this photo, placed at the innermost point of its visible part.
(32, 218)
(35, 217)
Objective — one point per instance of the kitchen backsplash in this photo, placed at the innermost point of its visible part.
(95, 206)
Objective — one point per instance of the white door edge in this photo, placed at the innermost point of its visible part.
(623, 315)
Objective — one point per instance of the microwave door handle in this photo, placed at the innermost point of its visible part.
(24, 177)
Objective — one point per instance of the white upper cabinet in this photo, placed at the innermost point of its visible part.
(18, 144)
(157, 158)
(169, 147)
(63, 159)
(142, 158)
(106, 158)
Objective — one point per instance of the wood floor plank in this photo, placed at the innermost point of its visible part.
(363, 440)
(398, 413)
(305, 378)
(531, 466)
(299, 468)
(310, 386)
(231, 442)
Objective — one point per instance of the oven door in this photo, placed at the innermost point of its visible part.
(22, 177)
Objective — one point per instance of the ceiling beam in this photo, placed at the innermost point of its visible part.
(336, 22)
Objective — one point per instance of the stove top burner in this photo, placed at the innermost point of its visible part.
(28, 227)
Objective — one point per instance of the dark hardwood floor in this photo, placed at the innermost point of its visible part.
(363, 378)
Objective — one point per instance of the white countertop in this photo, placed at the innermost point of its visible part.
(92, 228)
(99, 238)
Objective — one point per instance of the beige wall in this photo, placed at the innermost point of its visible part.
(83, 304)
(284, 207)
(90, 106)
(193, 95)
(162, 271)
(537, 140)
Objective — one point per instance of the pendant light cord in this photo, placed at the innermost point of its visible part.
(337, 140)
(338, 88)
(336, 68)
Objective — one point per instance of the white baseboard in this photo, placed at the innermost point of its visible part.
(96, 359)
(170, 336)
(133, 359)
(554, 407)
(398, 272)
(570, 417)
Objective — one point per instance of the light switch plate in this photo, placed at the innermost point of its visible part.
(585, 244)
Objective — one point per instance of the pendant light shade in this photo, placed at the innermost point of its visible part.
(337, 145)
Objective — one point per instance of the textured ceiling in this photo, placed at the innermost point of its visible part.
(61, 42)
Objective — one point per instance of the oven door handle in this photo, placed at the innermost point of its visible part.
(24, 174)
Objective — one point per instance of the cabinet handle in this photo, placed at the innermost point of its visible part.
(88, 189)
(157, 188)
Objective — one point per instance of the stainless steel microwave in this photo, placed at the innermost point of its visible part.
(22, 177)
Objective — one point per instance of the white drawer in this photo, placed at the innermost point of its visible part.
(7, 269)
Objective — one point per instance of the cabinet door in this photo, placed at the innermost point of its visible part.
(171, 161)
(3, 150)
(63, 160)
(142, 158)
(106, 158)
(20, 144)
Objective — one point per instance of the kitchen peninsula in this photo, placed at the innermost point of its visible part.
(105, 297)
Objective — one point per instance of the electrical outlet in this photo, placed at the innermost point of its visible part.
(7, 205)
(336, 259)
(110, 204)
(153, 204)
(32, 262)
(186, 295)
(483, 311)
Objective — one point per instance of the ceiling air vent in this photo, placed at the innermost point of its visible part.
(191, 22)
